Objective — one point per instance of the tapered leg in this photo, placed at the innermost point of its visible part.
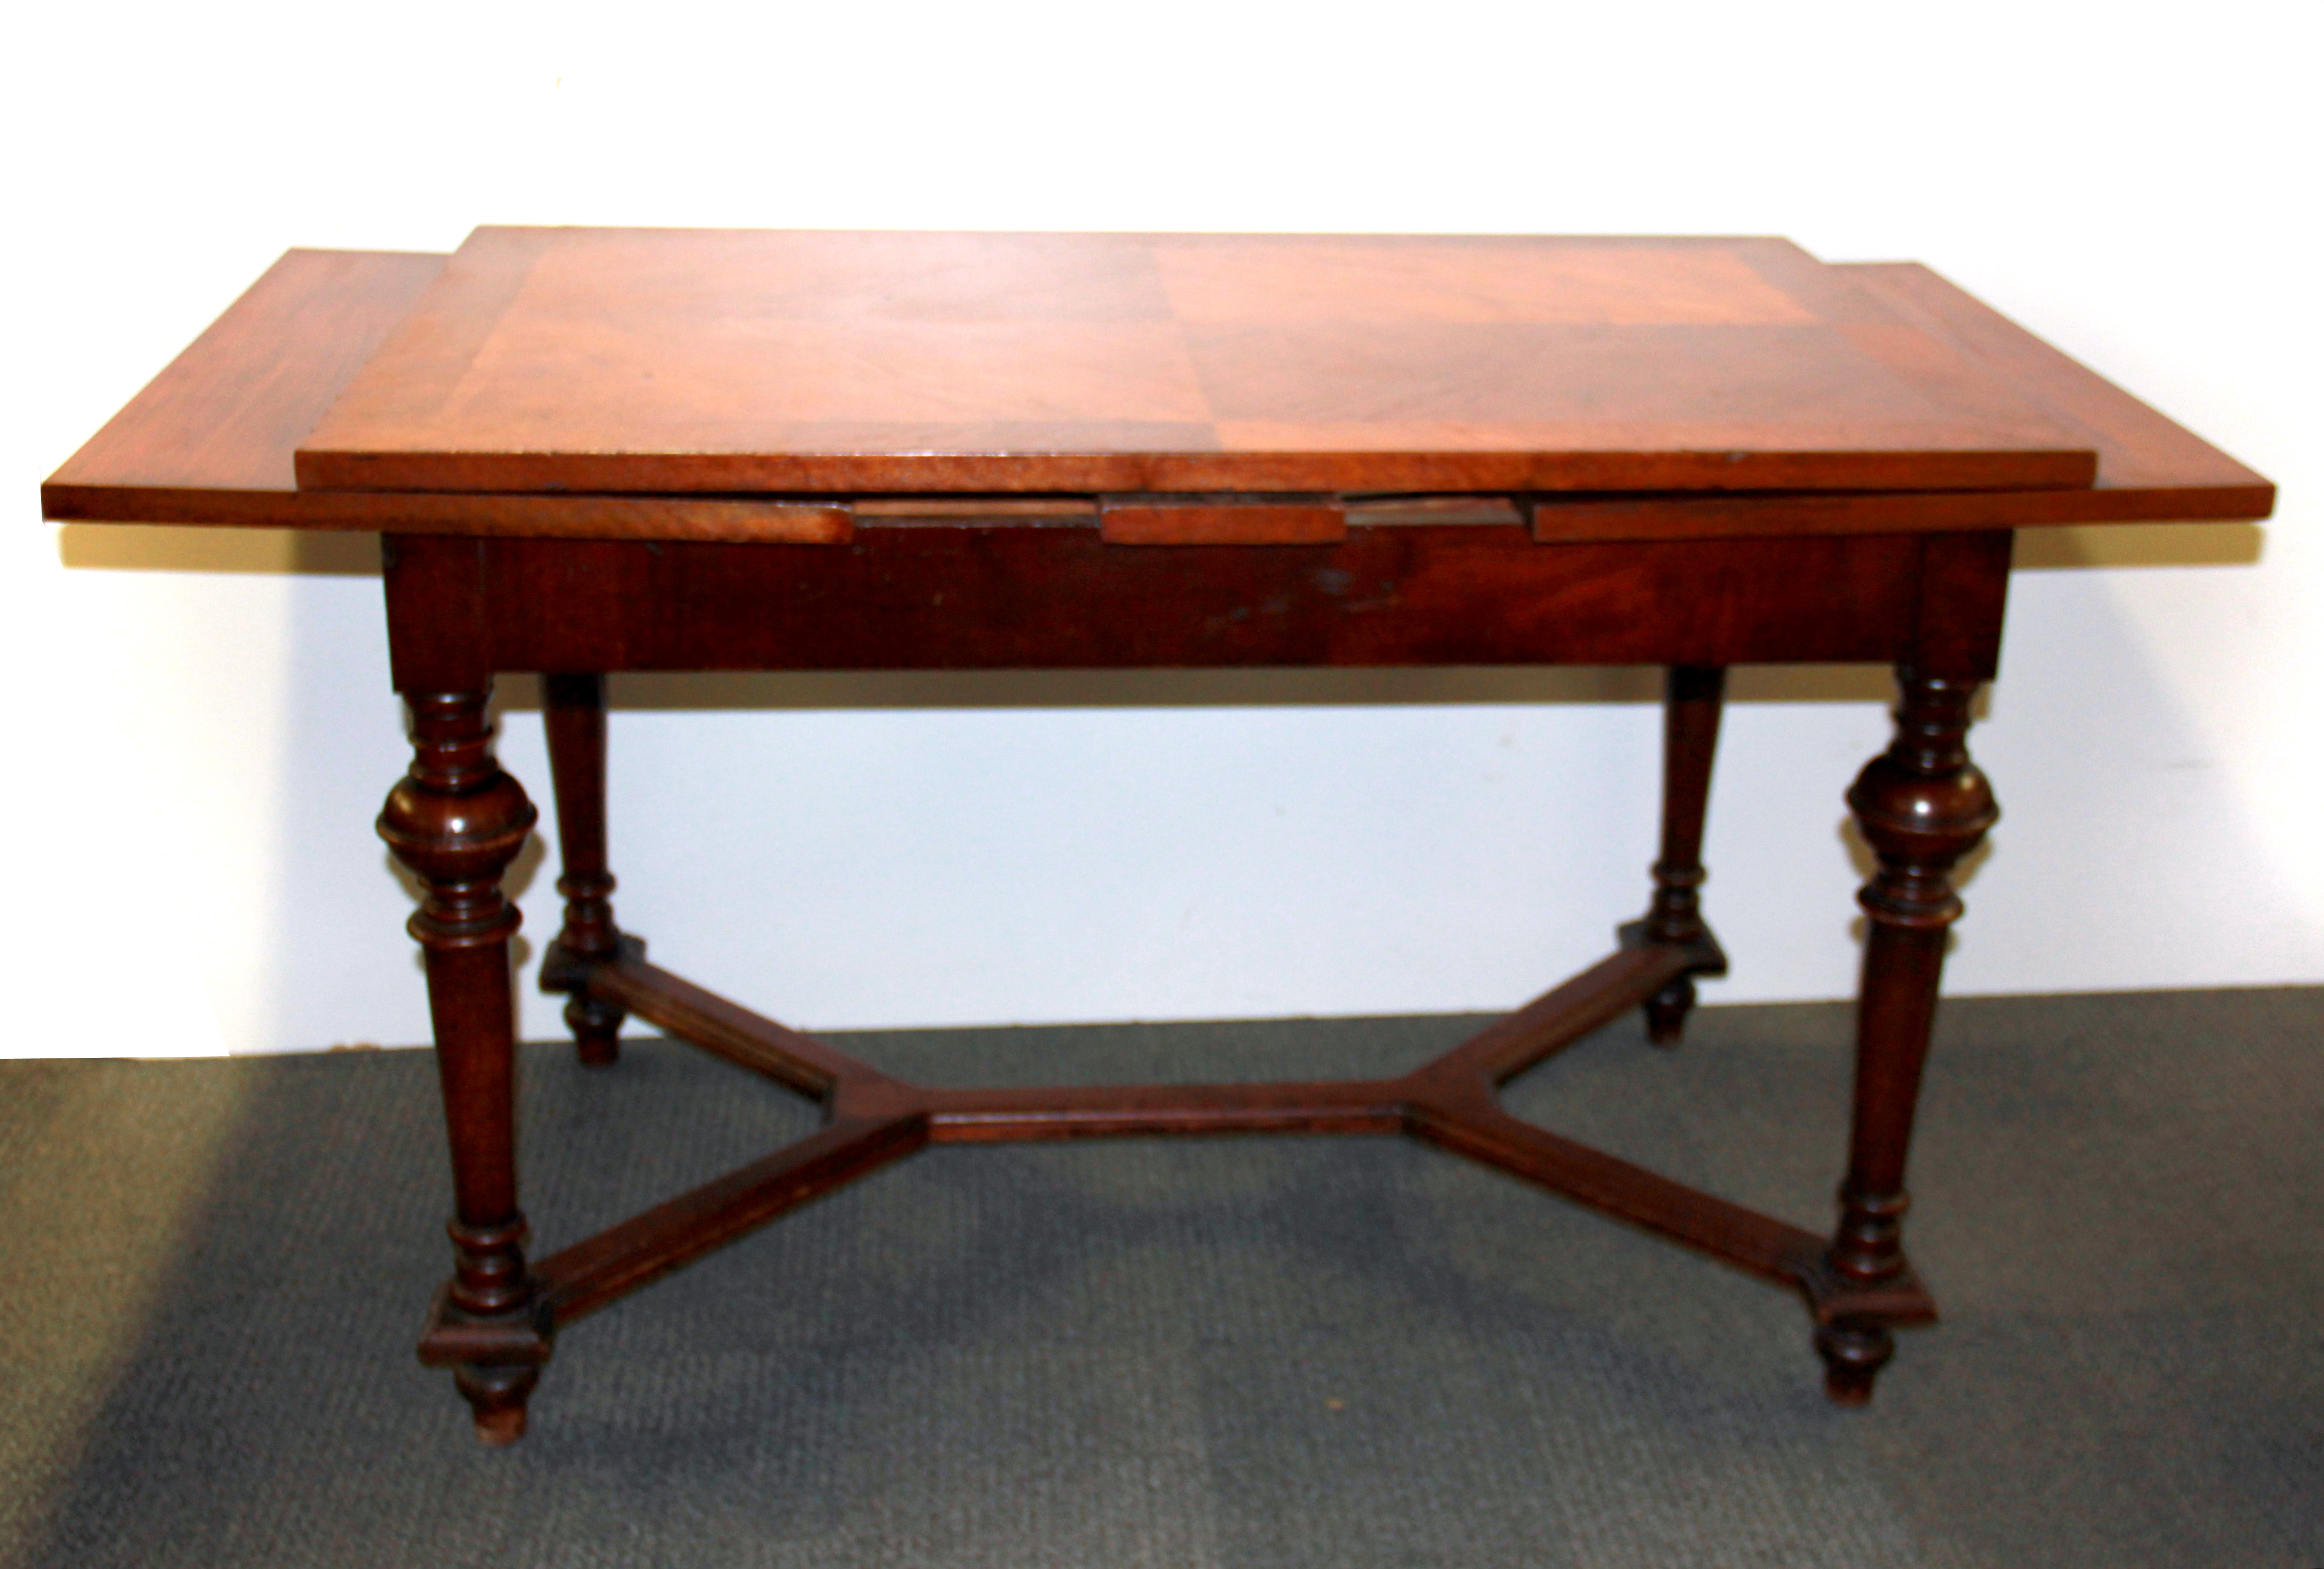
(575, 715)
(1921, 805)
(1691, 710)
(456, 820)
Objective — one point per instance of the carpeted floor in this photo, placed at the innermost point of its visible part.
(1343, 1353)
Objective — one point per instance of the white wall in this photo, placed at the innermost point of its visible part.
(201, 726)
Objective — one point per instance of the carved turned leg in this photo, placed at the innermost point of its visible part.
(456, 820)
(1921, 805)
(575, 715)
(1691, 711)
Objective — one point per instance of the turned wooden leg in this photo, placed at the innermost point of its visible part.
(456, 820)
(1921, 806)
(575, 715)
(1691, 710)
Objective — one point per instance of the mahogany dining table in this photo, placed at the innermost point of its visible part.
(597, 450)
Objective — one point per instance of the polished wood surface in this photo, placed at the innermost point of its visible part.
(1239, 520)
(224, 417)
(211, 441)
(1921, 806)
(2140, 451)
(1054, 530)
(874, 1120)
(458, 821)
(2150, 469)
(986, 598)
(744, 360)
(573, 715)
(1693, 697)
(964, 594)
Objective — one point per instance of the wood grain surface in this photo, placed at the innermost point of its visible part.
(209, 440)
(2150, 469)
(1010, 598)
(735, 361)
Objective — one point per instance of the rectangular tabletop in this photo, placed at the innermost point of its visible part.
(738, 361)
(211, 440)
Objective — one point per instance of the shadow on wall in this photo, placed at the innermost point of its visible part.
(140, 549)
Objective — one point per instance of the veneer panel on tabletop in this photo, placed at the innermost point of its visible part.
(2140, 450)
(225, 414)
(2150, 469)
(729, 361)
(210, 440)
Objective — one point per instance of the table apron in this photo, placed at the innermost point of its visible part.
(967, 598)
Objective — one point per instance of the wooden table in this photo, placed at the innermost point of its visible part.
(600, 450)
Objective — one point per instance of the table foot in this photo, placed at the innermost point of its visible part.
(495, 1358)
(1701, 953)
(597, 1033)
(1667, 1012)
(1853, 1355)
(594, 1020)
(497, 1397)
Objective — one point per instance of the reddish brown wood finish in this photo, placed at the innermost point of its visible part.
(588, 1275)
(963, 597)
(211, 441)
(1559, 1016)
(797, 1061)
(672, 361)
(459, 605)
(2144, 458)
(1042, 404)
(573, 713)
(2150, 469)
(875, 1120)
(1223, 521)
(1921, 805)
(1055, 595)
(456, 820)
(1691, 708)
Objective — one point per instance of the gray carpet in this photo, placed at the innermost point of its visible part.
(1340, 1353)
